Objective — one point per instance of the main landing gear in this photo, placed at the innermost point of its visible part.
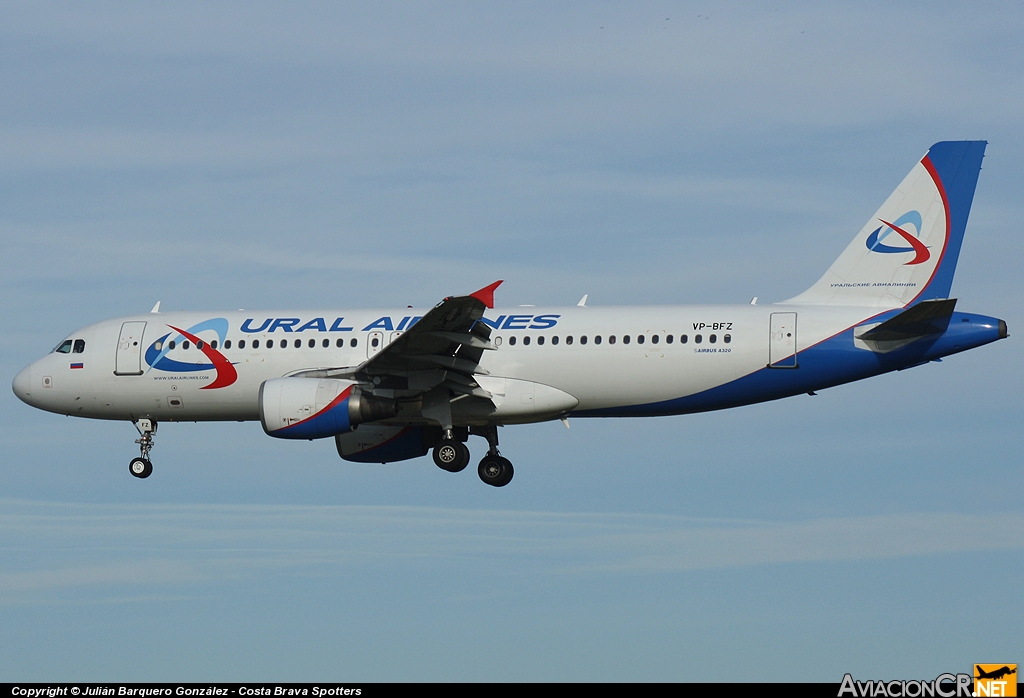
(452, 455)
(495, 470)
(141, 467)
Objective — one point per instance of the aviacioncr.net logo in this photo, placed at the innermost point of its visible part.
(943, 686)
(896, 232)
(156, 353)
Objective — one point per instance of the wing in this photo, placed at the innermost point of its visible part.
(442, 349)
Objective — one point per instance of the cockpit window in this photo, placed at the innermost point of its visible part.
(64, 348)
(79, 346)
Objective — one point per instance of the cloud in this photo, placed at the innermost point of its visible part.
(184, 546)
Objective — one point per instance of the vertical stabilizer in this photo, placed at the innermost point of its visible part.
(908, 251)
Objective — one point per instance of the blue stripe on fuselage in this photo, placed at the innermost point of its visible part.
(832, 362)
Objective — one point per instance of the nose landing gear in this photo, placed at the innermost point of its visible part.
(141, 467)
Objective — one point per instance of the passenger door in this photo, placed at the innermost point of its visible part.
(782, 341)
(129, 350)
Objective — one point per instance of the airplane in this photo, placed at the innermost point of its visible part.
(389, 385)
(995, 674)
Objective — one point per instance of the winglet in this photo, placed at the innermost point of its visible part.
(486, 294)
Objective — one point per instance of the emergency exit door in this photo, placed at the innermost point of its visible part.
(374, 343)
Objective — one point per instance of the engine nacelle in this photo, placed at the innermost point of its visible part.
(315, 408)
(378, 443)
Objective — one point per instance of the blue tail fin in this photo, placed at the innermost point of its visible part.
(956, 164)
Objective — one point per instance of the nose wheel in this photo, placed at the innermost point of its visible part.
(141, 467)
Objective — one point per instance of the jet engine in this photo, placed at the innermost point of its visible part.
(315, 408)
(379, 443)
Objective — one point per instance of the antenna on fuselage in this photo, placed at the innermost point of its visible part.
(753, 301)
(583, 301)
(156, 308)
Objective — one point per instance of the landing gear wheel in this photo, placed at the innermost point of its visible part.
(495, 471)
(451, 455)
(140, 467)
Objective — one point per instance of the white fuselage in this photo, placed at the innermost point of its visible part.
(605, 358)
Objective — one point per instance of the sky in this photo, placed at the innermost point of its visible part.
(216, 156)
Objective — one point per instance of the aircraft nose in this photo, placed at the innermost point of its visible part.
(22, 385)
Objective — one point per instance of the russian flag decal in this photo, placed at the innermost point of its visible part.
(77, 365)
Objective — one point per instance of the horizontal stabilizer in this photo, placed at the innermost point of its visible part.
(925, 318)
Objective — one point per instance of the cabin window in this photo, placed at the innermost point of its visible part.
(697, 339)
(597, 339)
(256, 344)
(713, 338)
(354, 343)
(668, 339)
(727, 338)
(583, 339)
(526, 340)
(270, 344)
(213, 344)
(611, 340)
(184, 345)
(227, 344)
(241, 344)
(625, 339)
(655, 338)
(79, 346)
(554, 340)
(512, 341)
(683, 339)
(326, 343)
(540, 340)
(199, 344)
(639, 339)
(170, 344)
(568, 340)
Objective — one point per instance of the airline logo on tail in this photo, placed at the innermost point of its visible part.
(156, 353)
(875, 241)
